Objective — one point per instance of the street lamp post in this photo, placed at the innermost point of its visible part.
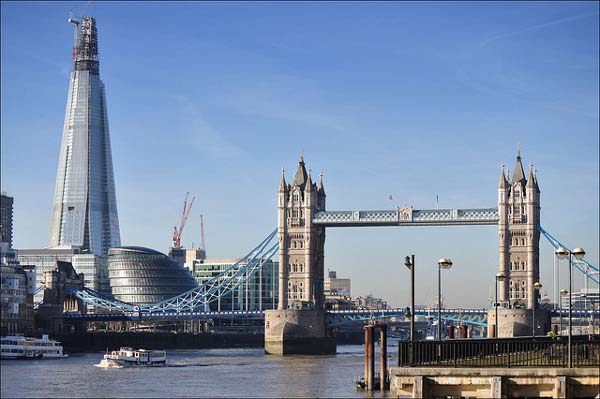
(578, 253)
(536, 286)
(500, 276)
(409, 262)
(562, 293)
(443, 263)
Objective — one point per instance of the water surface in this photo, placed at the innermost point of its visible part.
(192, 373)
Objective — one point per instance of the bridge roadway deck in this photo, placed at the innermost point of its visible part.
(258, 314)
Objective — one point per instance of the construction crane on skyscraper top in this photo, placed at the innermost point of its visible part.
(76, 23)
(182, 221)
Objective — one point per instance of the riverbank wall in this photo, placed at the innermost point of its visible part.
(111, 340)
(100, 341)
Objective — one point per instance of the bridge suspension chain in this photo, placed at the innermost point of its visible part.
(590, 271)
(218, 286)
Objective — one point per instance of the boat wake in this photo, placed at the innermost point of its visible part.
(108, 364)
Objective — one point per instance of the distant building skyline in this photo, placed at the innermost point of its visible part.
(84, 214)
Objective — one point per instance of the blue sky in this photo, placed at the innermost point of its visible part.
(411, 99)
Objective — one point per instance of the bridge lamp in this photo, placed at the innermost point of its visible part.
(500, 276)
(443, 263)
(536, 287)
(578, 253)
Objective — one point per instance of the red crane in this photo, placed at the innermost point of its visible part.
(182, 221)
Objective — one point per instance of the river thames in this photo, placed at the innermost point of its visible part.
(193, 373)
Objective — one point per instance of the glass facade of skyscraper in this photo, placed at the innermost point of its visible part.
(84, 214)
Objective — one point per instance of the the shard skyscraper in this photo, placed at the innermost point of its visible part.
(84, 214)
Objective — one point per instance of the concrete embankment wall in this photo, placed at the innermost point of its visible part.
(420, 382)
(100, 341)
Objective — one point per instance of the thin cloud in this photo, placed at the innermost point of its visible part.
(204, 136)
(287, 98)
(536, 27)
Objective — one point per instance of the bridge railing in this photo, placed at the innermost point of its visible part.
(501, 352)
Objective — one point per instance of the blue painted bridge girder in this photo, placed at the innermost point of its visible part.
(334, 317)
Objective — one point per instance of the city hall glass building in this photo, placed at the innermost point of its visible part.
(143, 276)
(84, 213)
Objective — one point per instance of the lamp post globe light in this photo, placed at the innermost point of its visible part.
(443, 263)
(578, 253)
(500, 276)
(536, 287)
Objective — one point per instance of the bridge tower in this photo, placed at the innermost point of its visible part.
(298, 325)
(519, 244)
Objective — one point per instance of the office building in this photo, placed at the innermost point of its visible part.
(186, 257)
(258, 292)
(6, 219)
(334, 286)
(17, 283)
(93, 267)
(84, 213)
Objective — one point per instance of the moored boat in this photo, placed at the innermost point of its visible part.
(20, 347)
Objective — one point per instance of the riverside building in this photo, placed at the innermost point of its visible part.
(17, 283)
(258, 292)
(143, 276)
(93, 267)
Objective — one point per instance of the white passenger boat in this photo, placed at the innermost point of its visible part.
(134, 357)
(20, 347)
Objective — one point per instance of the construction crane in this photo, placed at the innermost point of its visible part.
(202, 233)
(182, 221)
(75, 23)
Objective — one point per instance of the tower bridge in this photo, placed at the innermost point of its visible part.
(298, 324)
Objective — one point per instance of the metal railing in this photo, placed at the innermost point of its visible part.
(501, 352)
